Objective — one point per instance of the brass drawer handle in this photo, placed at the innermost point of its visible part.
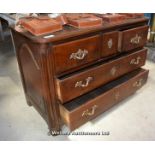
(81, 84)
(135, 61)
(138, 83)
(79, 55)
(89, 112)
(136, 39)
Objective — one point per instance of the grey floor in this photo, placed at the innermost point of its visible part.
(132, 119)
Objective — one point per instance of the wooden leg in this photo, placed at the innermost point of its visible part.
(28, 101)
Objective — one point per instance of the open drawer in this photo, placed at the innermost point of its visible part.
(77, 84)
(132, 38)
(88, 106)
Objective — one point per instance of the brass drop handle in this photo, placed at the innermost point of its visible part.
(79, 55)
(136, 39)
(84, 84)
(138, 83)
(89, 112)
(135, 61)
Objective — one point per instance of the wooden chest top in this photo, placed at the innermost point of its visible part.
(71, 32)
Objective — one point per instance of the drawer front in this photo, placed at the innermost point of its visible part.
(76, 53)
(75, 85)
(78, 115)
(133, 38)
(109, 44)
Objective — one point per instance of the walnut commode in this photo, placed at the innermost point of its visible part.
(74, 75)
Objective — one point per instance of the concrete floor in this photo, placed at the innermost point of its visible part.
(132, 119)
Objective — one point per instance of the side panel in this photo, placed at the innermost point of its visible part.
(33, 64)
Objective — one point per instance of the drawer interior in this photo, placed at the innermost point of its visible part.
(131, 28)
(134, 28)
(76, 103)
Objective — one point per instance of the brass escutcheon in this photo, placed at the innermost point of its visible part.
(113, 71)
(138, 83)
(110, 43)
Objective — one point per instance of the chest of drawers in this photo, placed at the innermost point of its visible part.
(74, 75)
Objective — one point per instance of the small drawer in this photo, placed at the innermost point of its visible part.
(132, 38)
(109, 44)
(87, 107)
(74, 85)
(76, 53)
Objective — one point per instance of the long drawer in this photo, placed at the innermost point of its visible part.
(88, 106)
(77, 84)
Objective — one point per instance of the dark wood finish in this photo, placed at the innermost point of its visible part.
(109, 44)
(70, 32)
(87, 107)
(76, 53)
(133, 38)
(75, 85)
(36, 69)
(45, 65)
